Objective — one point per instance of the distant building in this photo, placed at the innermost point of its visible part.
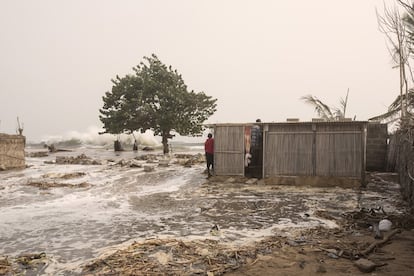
(12, 151)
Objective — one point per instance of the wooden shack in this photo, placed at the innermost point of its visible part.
(322, 150)
(12, 151)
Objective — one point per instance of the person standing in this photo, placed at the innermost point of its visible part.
(209, 150)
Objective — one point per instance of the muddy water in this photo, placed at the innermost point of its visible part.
(73, 225)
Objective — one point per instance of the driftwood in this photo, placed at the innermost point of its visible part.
(376, 244)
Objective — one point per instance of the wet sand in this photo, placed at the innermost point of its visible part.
(76, 225)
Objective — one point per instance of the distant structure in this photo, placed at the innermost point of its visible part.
(12, 151)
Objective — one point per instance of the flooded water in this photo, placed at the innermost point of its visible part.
(122, 204)
(75, 224)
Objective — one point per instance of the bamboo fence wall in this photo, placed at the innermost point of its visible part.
(288, 150)
(315, 149)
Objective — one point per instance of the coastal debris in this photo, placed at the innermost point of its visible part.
(177, 257)
(52, 148)
(385, 225)
(64, 175)
(5, 266)
(149, 168)
(365, 265)
(37, 154)
(215, 230)
(377, 244)
(164, 163)
(78, 160)
(47, 185)
(188, 160)
(24, 264)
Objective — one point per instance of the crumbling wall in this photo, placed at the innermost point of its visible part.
(376, 158)
(12, 151)
(401, 151)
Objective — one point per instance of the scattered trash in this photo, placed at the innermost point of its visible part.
(365, 265)
(37, 154)
(64, 175)
(332, 255)
(384, 225)
(215, 230)
(164, 163)
(47, 185)
(175, 257)
(25, 264)
(78, 160)
(149, 168)
(135, 164)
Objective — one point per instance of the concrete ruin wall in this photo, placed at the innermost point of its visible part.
(12, 151)
(376, 158)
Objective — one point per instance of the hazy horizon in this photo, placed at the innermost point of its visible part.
(257, 58)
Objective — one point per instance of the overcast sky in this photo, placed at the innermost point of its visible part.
(256, 57)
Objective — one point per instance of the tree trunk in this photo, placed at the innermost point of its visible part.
(165, 142)
(117, 145)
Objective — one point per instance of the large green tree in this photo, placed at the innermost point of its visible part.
(155, 97)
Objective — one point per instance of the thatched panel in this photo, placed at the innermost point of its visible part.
(229, 150)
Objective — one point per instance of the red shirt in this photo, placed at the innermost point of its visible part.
(209, 145)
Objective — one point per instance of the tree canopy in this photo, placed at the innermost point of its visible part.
(155, 97)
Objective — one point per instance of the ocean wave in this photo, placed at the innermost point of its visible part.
(93, 138)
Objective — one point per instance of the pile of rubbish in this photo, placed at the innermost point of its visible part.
(186, 160)
(25, 264)
(45, 183)
(78, 160)
(176, 257)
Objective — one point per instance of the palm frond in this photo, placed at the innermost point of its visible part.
(323, 110)
(343, 103)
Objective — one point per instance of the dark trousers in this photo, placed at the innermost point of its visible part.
(210, 162)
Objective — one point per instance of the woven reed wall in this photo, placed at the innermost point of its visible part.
(315, 149)
(229, 150)
(339, 154)
(288, 150)
(12, 151)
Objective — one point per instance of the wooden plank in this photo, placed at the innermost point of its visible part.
(229, 150)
